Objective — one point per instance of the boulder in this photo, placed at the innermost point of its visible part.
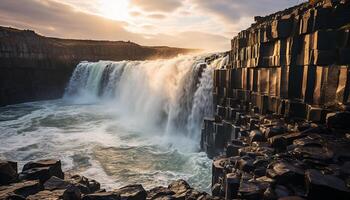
(85, 185)
(256, 136)
(284, 172)
(179, 186)
(24, 189)
(320, 186)
(8, 172)
(338, 120)
(159, 192)
(72, 193)
(41, 170)
(132, 192)
(102, 196)
(55, 183)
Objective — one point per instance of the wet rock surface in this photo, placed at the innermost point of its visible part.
(58, 185)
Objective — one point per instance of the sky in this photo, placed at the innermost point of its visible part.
(200, 24)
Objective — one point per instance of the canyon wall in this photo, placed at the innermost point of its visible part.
(34, 67)
(282, 120)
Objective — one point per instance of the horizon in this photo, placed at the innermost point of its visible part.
(148, 23)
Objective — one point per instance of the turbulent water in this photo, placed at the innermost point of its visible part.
(120, 123)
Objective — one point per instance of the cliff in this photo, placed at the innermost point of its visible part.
(34, 67)
(281, 126)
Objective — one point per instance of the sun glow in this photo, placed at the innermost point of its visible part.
(115, 9)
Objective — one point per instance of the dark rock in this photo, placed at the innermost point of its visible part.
(232, 186)
(284, 172)
(218, 169)
(279, 142)
(216, 190)
(320, 186)
(273, 131)
(159, 192)
(291, 198)
(55, 183)
(85, 185)
(24, 189)
(338, 120)
(245, 164)
(256, 136)
(232, 150)
(41, 170)
(102, 196)
(8, 172)
(132, 192)
(72, 193)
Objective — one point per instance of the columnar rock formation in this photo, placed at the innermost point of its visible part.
(282, 118)
(33, 67)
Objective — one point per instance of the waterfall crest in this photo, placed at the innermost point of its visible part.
(174, 95)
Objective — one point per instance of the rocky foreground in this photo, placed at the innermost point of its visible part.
(271, 158)
(44, 179)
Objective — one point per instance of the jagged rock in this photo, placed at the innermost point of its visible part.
(55, 183)
(320, 186)
(159, 193)
(132, 192)
(338, 120)
(284, 172)
(8, 172)
(24, 189)
(41, 170)
(179, 186)
(256, 136)
(85, 185)
(102, 196)
(72, 193)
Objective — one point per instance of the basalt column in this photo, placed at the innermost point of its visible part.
(282, 105)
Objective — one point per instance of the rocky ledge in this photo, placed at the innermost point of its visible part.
(44, 179)
(272, 158)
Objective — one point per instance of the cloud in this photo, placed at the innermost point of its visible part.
(232, 11)
(157, 5)
(156, 16)
(55, 19)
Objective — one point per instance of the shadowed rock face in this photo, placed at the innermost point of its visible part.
(33, 67)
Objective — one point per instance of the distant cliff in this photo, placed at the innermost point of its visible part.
(34, 67)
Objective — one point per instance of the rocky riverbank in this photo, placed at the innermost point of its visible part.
(44, 179)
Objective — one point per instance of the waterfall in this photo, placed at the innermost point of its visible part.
(173, 95)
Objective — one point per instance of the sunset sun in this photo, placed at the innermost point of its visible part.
(114, 9)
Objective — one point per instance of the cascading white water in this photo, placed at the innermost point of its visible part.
(120, 123)
(173, 95)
